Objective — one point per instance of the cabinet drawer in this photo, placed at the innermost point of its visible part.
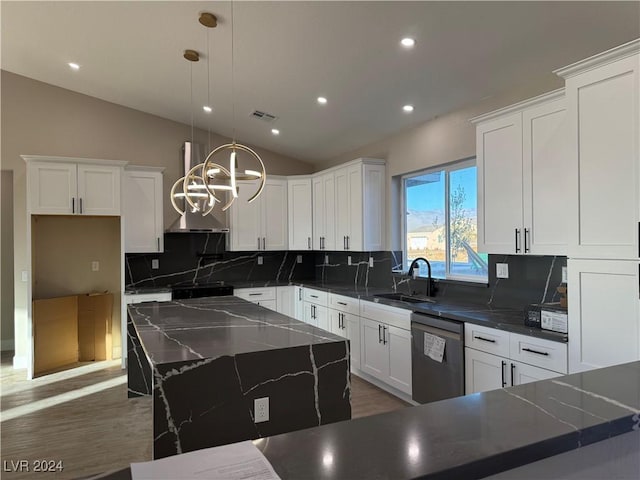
(344, 304)
(147, 297)
(315, 296)
(255, 294)
(486, 339)
(539, 352)
(398, 317)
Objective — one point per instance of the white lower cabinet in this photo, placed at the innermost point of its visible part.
(298, 300)
(385, 349)
(316, 315)
(285, 300)
(485, 370)
(347, 325)
(263, 296)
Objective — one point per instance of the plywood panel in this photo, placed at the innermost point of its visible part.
(55, 331)
(94, 326)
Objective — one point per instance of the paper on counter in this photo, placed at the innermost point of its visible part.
(434, 347)
(238, 461)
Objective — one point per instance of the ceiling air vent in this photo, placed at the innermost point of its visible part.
(264, 116)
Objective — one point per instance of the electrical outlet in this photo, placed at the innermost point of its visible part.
(326, 259)
(24, 276)
(348, 259)
(371, 262)
(502, 270)
(299, 259)
(155, 264)
(260, 260)
(95, 266)
(261, 409)
(564, 274)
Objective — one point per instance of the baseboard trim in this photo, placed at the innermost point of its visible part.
(7, 345)
(387, 388)
(20, 361)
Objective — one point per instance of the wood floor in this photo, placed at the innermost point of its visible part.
(83, 418)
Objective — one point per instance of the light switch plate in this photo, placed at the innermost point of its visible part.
(299, 259)
(155, 264)
(564, 274)
(95, 266)
(260, 260)
(326, 259)
(24, 276)
(348, 259)
(371, 262)
(502, 270)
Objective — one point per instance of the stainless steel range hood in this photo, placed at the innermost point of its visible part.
(193, 154)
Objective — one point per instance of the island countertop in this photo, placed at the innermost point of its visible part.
(213, 327)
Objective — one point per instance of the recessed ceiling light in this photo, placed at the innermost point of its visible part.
(408, 42)
(322, 100)
(207, 109)
(408, 108)
(73, 66)
(275, 131)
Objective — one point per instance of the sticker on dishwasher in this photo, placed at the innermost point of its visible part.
(434, 347)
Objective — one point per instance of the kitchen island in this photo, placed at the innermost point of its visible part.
(206, 360)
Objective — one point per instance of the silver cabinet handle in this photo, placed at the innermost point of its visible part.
(348, 242)
(258, 243)
(526, 240)
(342, 303)
(517, 242)
(384, 335)
(513, 369)
(299, 294)
(81, 205)
(73, 204)
(379, 333)
(344, 242)
(313, 296)
(504, 364)
(309, 242)
(158, 243)
(264, 243)
(254, 294)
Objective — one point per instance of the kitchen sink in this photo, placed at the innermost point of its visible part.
(399, 297)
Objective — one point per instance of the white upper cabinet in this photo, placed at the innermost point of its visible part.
(261, 224)
(604, 132)
(70, 186)
(324, 211)
(604, 313)
(349, 209)
(523, 177)
(300, 213)
(143, 210)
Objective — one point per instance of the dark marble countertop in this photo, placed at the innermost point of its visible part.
(143, 290)
(465, 437)
(212, 327)
(508, 319)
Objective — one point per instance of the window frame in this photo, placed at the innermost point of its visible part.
(447, 169)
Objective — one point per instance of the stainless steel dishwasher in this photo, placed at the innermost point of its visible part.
(433, 380)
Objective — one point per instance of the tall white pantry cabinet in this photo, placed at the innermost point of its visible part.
(603, 105)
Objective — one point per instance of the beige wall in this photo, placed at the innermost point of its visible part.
(40, 119)
(63, 248)
(6, 262)
(442, 140)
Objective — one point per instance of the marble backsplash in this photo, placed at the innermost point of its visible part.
(202, 258)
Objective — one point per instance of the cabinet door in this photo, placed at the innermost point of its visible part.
(329, 242)
(372, 217)
(335, 323)
(351, 324)
(399, 345)
(522, 373)
(322, 317)
(499, 160)
(374, 358)
(274, 217)
(355, 231)
(299, 304)
(604, 313)
(285, 301)
(319, 212)
(143, 212)
(309, 314)
(52, 188)
(342, 216)
(300, 214)
(483, 371)
(99, 189)
(605, 130)
(546, 179)
(246, 220)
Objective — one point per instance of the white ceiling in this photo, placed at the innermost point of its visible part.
(288, 53)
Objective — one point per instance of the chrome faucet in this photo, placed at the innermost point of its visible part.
(429, 280)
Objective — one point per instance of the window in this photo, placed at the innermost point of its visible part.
(441, 224)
